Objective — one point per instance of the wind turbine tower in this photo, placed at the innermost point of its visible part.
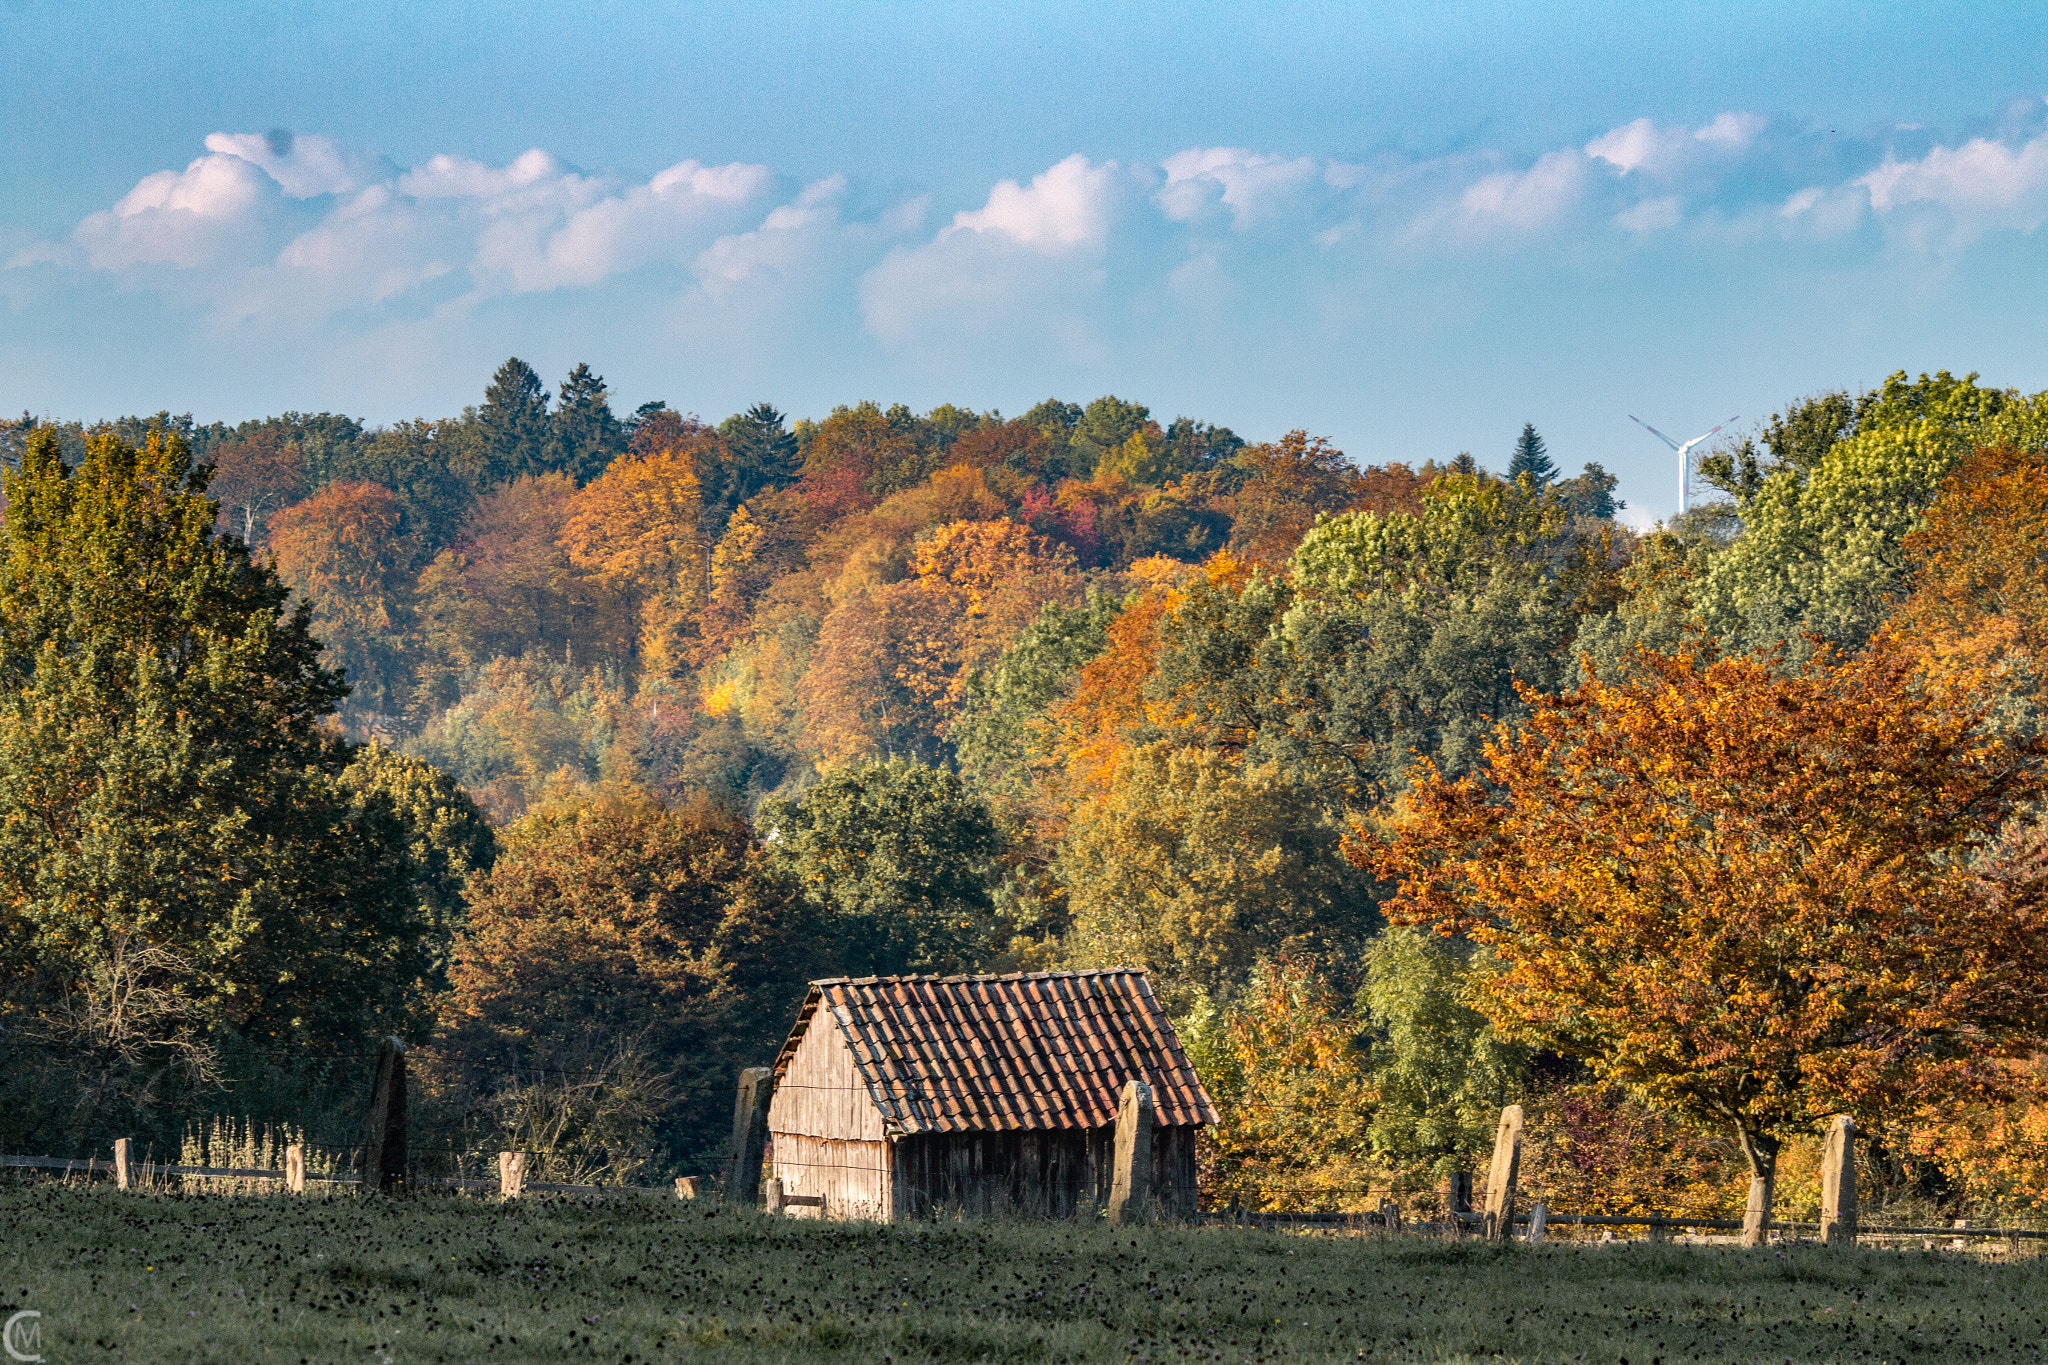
(1684, 457)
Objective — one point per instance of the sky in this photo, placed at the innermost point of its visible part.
(1410, 229)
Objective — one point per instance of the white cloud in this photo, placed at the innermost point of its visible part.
(1983, 184)
(1643, 146)
(188, 218)
(1064, 207)
(1651, 215)
(1527, 199)
(1250, 185)
(1026, 264)
(303, 167)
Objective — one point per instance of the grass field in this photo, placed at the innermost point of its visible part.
(165, 1278)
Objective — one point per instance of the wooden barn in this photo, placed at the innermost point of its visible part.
(904, 1096)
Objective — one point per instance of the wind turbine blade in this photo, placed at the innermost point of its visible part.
(1653, 431)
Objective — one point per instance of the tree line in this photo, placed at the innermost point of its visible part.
(570, 746)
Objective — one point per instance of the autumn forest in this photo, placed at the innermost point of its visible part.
(569, 744)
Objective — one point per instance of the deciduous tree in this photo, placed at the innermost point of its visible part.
(1744, 891)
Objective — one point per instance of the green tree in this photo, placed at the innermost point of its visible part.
(1823, 550)
(1530, 460)
(175, 834)
(1198, 865)
(585, 435)
(900, 856)
(1002, 718)
(1441, 1074)
(448, 841)
(761, 455)
(512, 424)
(1103, 426)
(432, 469)
(1591, 494)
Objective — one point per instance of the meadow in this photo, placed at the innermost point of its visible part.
(340, 1278)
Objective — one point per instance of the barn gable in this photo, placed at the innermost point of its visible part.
(1037, 1051)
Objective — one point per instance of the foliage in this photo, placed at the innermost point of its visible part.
(1287, 1073)
(899, 858)
(1531, 460)
(1742, 892)
(1823, 551)
(336, 550)
(1196, 867)
(180, 861)
(622, 959)
(1441, 1074)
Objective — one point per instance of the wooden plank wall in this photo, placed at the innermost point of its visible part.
(820, 1094)
(1047, 1173)
(853, 1176)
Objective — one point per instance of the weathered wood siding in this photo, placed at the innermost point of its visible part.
(1051, 1173)
(852, 1176)
(820, 1094)
(827, 1133)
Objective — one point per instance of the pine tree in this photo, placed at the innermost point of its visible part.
(514, 424)
(586, 434)
(1530, 459)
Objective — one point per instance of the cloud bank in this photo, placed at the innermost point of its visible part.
(282, 228)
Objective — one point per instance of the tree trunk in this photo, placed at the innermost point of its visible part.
(1762, 1151)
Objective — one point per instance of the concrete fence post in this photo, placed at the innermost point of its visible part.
(1500, 1177)
(511, 1175)
(121, 1175)
(1130, 1179)
(1539, 1222)
(295, 1169)
(1838, 1184)
(1457, 1196)
(749, 1135)
(384, 1166)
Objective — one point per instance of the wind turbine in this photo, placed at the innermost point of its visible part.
(1684, 457)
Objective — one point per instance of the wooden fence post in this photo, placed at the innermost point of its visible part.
(295, 1169)
(775, 1196)
(120, 1163)
(384, 1141)
(1539, 1222)
(511, 1175)
(1838, 1184)
(1130, 1178)
(1500, 1177)
(749, 1135)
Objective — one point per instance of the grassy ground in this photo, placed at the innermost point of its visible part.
(164, 1279)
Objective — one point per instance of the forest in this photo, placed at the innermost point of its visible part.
(568, 745)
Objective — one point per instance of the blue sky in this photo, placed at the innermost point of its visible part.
(1408, 228)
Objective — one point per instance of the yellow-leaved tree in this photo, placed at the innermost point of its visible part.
(639, 526)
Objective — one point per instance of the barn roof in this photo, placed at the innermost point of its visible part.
(1031, 1050)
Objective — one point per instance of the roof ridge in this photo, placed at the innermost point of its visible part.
(977, 976)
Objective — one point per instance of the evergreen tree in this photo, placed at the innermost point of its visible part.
(513, 424)
(1531, 459)
(183, 872)
(760, 453)
(586, 434)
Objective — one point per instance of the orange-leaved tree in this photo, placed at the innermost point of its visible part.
(1980, 559)
(1745, 892)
